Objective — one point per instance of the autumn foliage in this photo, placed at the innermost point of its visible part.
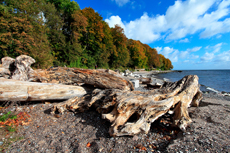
(58, 32)
(14, 121)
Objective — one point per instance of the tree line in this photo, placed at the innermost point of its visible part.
(58, 32)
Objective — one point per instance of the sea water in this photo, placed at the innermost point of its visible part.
(212, 79)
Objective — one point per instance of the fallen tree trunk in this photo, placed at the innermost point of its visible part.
(14, 90)
(105, 79)
(118, 106)
(19, 69)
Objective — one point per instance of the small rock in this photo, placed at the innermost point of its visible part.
(1, 143)
(26, 127)
(135, 138)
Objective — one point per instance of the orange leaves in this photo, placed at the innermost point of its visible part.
(88, 144)
(141, 147)
(78, 24)
(21, 119)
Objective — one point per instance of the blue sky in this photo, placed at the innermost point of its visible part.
(193, 34)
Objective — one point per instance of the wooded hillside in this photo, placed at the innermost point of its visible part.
(58, 32)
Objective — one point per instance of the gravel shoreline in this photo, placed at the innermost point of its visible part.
(88, 133)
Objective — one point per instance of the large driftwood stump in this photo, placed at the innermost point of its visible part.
(118, 106)
(6, 67)
(17, 69)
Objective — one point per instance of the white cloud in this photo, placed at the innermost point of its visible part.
(184, 40)
(145, 28)
(207, 57)
(217, 47)
(168, 52)
(121, 2)
(158, 49)
(186, 61)
(175, 54)
(195, 49)
(213, 55)
(113, 20)
(207, 47)
(181, 19)
(186, 54)
(193, 56)
(223, 57)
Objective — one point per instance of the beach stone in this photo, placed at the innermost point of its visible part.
(145, 80)
(156, 82)
(135, 83)
(127, 72)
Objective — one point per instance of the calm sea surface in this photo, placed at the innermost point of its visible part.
(216, 79)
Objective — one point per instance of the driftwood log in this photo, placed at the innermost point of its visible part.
(118, 106)
(19, 69)
(105, 79)
(14, 90)
(115, 100)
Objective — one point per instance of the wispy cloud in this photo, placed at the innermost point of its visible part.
(181, 19)
(207, 57)
(184, 40)
(223, 57)
(211, 54)
(121, 2)
(175, 54)
(168, 52)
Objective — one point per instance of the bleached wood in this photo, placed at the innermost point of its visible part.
(106, 79)
(148, 106)
(14, 90)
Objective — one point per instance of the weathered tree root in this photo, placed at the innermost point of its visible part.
(118, 106)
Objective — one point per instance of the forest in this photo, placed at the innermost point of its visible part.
(59, 33)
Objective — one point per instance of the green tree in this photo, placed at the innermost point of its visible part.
(137, 51)
(153, 57)
(22, 32)
(66, 49)
(57, 39)
(120, 55)
(96, 40)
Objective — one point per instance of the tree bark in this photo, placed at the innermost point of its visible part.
(101, 78)
(14, 90)
(118, 106)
